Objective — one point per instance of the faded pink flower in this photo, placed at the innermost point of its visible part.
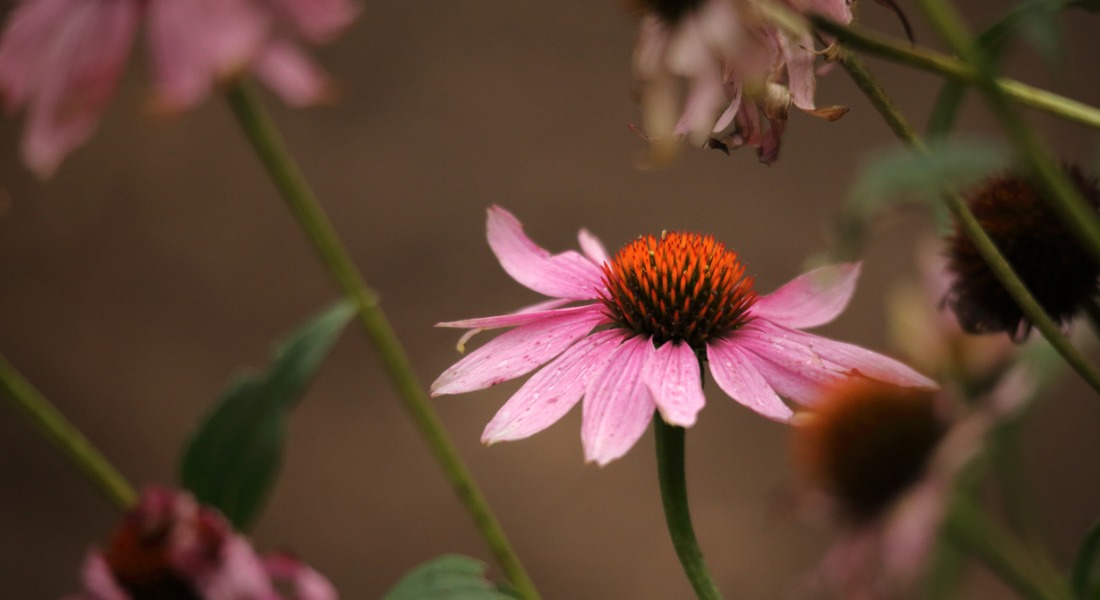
(739, 69)
(171, 547)
(647, 319)
(62, 59)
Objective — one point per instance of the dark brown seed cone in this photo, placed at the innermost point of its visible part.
(670, 11)
(1047, 256)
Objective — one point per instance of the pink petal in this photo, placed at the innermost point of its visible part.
(239, 574)
(515, 352)
(99, 582)
(672, 375)
(617, 406)
(553, 391)
(293, 76)
(800, 57)
(736, 374)
(318, 21)
(64, 58)
(565, 275)
(521, 317)
(307, 583)
(811, 299)
(592, 247)
(196, 43)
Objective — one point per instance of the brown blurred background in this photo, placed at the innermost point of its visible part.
(160, 260)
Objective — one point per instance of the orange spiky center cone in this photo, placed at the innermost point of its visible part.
(678, 287)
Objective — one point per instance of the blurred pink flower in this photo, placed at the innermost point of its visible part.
(170, 547)
(63, 59)
(650, 316)
(737, 66)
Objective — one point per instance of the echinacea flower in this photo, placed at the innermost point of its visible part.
(1035, 240)
(739, 68)
(62, 59)
(645, 321)
(170, 547)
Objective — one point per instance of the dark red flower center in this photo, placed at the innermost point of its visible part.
(680, 286)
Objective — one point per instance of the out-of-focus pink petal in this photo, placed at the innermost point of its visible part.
(195, 44)
(292, 75)
(592, 247)
(318, 21)
(519, 318)
(64, 58)
(736, 374)
(811, 299)
(617, 406)
(800, 57)
(99, 582)
(565, 275)
(727, 117)
(307, 583)
(239, 574)
(672, 375)
(553, 391)
(515, 352)
(767, 150)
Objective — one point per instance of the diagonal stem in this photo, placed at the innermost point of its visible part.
(269, 147)
(65, 437)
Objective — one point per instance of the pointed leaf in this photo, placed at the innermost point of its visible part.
(233, 457)
(449, 577)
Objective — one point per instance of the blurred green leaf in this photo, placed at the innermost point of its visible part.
(1083, 575)
(233, 457)
(449, 577)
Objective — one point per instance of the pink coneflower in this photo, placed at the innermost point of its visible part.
(62, 59)
(170, 547)
(739, 69)
(649, 317)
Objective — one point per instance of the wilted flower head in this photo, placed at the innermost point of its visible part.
(1046, 255)
(738, 67)
(62, 59)
(171, 548)
(647, 319)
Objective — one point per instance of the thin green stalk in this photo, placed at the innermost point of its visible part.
(968, 527)
(1058, 189)
(670, 472)
(65, 437)
(970, 226)
(929, 60)
(299, 198)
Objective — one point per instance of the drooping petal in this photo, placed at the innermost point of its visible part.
(292, 75)
(319, 21)
(99, 583)
(672, 375)
(515, 353)
(239, 574)
(800, 57)
(307, 583)
(553, 391)
(565, 275)
(197, 43)
(592, 247)
(64, 58)
(617, 405)
(735, 373)
(811, 299)
(521, 317)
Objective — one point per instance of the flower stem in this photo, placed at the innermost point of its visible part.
(299, 198)
(1059, 191)
(670, 472)
(970, 226)
(968, 527)
(65, 437)
(930, 60)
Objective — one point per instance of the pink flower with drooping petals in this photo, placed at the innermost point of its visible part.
(648, 318)
(739, 69)
(171, 547)
(63, 59)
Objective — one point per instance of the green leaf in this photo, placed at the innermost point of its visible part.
(233, 458)
(449, 577)
(1083, 575)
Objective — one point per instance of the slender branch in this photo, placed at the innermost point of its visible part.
(670, 472)
(970, 226)
(929, 60)
(299, 198)
(65, 437)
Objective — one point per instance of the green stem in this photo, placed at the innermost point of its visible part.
(970, 226)
(968, 527)
(929, 60)
(299, 198)
(670, 472)
(65, 437)
(1058, 189)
